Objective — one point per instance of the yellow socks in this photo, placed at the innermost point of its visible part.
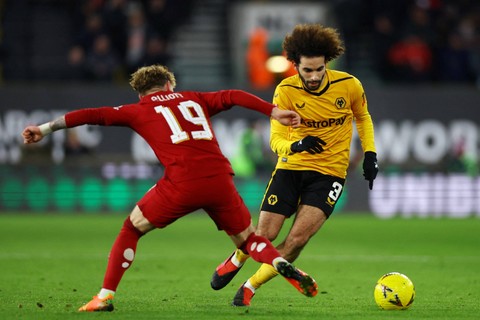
(239, 258)
(265, 273)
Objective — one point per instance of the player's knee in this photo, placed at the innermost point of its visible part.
(297, 242)
(139, 221)
(269, 234)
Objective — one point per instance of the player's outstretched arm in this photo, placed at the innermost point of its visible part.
(286, 117)
(250, 101)
(33, 134)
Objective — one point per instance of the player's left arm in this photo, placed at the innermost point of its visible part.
(365, 130)
(225, 99)
(363, 118)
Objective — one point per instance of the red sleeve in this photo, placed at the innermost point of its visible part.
(247, 100)
(225, 99)
(103, 116)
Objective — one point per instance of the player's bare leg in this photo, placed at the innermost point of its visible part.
(256, 245)
(307, 222)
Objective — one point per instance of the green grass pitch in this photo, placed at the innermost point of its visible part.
(51, 264)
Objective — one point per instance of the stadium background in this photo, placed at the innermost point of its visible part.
(419, 62)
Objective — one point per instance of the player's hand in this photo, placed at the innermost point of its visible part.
(370, 167)
(310, 144)
(286, 117)
(31, 134)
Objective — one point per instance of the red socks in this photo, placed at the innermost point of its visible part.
(260, 249)
(124, 248)
(122, 255)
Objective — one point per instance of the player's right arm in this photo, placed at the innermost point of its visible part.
(33, 134)
(285, 141)
(279, 138)
(280, 135)
(103, 116)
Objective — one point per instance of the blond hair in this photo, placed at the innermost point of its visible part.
(150, 77)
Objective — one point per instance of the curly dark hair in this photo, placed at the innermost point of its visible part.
(149, 77)
(313, 40)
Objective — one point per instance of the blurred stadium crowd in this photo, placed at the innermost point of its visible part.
(404, 40)
(111, 36)
(423, 40)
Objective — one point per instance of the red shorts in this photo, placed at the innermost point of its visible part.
(166, 202)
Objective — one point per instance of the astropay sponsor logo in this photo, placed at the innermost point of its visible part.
(324, 123)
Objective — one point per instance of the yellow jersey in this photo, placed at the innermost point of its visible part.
(327, 113)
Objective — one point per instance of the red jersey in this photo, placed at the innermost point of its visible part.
(177, 127)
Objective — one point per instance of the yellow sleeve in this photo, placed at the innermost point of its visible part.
(279, 134)
(363, 119)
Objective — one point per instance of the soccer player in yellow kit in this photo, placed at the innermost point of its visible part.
(313, 159)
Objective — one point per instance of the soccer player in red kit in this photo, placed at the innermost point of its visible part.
(178, 128)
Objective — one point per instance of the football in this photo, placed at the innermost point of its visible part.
(394, 291)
